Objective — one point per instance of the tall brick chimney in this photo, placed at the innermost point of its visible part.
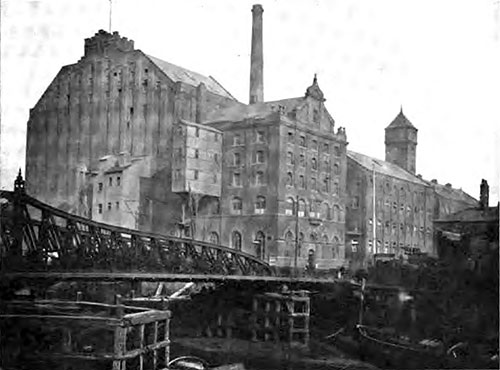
(257, 57)
(484, 195)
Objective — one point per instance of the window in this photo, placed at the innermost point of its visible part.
(289, 179)
(302, 182)
(260, 244)
(131, 111)
(260, 205)
(236, 205)
(117, 205)
(259, 178)
(197, 132)
(386, 247)
(110, 181)
(302, 208)
(336, 188)
(109, 206)
(354, 246)
(289, 158)
(214, 178)
(326, 185)
(236, 179)
(326, 164)
(290, 137)
(302, 141)
(315, 116)
(336, 151)
(195, 174)
(179, 152)
(99, 208)
(302, 160)
(370, 246)
(394, 206)
(313, 183)
(314, 145)
(325, 211)
(216, 158)
(237, 139)
(118, 181)
(196, 153)
(290, 207)
(259, 156)
(336, 213)
(177, 174)
(326, 148)
(355, 202)
(236, 240)
(100, 186)
(336, 169)
(237, 159)
(216, 139)
(214, 238)
(259, 137)
(401, 227)
(314, 164)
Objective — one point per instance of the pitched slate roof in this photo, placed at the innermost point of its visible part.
(186, 76)
(384, 167)
(401, 121)
(452, 193)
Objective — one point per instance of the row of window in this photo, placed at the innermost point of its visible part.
(258, 157)
(313, 184)
(258, 180)
(118, 182)
(196, 154)
(355, 204)
(259, 205)
(389, 248)
(325, 147)
(290, 160)
(313, 238)
(259, 137)
(110, 207)
(396, 191)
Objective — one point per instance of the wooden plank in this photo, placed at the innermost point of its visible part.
(106, 320)
(146, 317)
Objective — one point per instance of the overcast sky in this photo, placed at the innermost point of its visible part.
(439, 59)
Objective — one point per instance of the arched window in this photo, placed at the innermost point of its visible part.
(326, 185)
(336, 188)
(314, 163)
(324, 239)
(260, 205)
(289, 179)
(237, 159)
(313, 238)
(290, 207)
(259, 156)
(302, 182)
(214, 237)
(336, 213)
(260, 244)
(302, 208)
(336, 151)
(302, 160)
(313, 211)
(325, 210)
(313, 183)
(236, 205)
(336, 169)
(236, 240)
(289, 158)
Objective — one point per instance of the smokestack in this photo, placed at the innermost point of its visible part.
(257, 57)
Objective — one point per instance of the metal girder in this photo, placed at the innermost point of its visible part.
(38, 237)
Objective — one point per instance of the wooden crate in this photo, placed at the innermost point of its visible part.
(57, 334)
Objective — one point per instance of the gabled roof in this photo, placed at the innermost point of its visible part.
(176, 73)
(384, 167)
(489, 214)
(401, 121)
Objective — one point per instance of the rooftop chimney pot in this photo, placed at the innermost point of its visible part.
(484, 194)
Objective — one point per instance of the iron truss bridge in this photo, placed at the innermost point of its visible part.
(36, 237)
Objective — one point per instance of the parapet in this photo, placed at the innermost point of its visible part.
(103, 42)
